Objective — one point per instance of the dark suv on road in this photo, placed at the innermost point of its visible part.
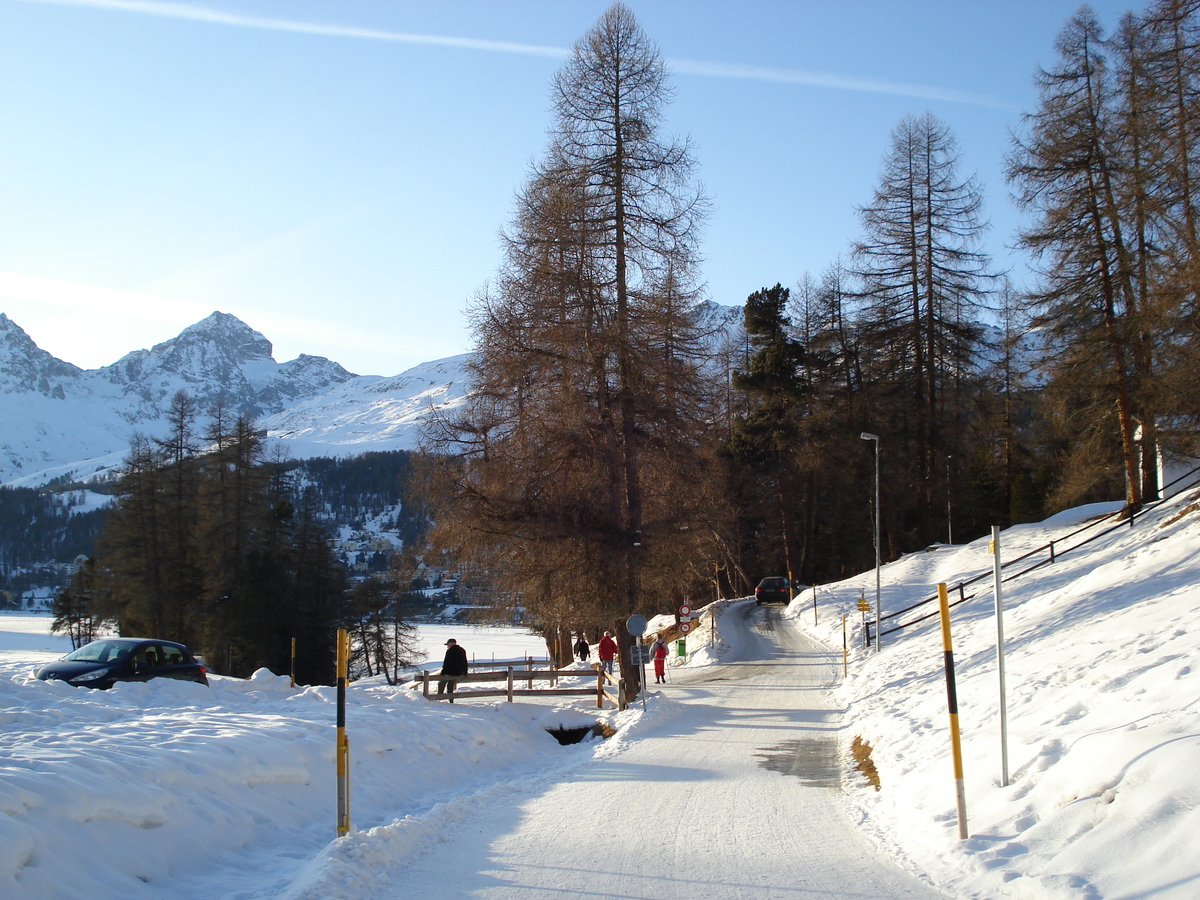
(772, 590)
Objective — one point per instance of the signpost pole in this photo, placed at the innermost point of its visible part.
(686, 618)
(642, 657)
(636, 626)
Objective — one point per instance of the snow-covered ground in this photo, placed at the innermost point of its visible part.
(1102, 677)
(177, 790)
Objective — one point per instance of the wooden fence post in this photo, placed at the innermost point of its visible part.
(343, 744)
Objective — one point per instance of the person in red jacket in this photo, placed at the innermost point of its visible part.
(607, 651)
(658, 653)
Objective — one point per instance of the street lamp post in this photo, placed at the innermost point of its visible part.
(949, 511)
(867, 436)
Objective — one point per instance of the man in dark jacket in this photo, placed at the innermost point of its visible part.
(454, 665)
(582, 650)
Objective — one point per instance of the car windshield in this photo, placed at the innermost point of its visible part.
(773, 583)
(100, 651)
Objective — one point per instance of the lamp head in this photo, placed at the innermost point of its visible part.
(867, 436)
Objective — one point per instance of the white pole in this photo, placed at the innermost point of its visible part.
(949, 510)
(878, 606)
(867, 436)
(1000, 654)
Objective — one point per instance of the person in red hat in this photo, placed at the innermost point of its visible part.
(454, 665)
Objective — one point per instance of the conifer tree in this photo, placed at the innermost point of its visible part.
(1158, 125)
(76, 607)
(765, 442)
(922, 280)
(1067, 170)
(579, 464)
(132, 542)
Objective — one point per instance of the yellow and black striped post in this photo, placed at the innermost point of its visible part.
(343, 744)
(952, 697)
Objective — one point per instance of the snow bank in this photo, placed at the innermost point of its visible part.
(1103, 700)
(176, 789)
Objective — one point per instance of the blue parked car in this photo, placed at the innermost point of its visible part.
(106, 661)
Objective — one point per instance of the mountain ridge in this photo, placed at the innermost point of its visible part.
(64, 421)
(58, 414)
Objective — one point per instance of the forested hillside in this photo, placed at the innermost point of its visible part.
(43, 531)
(355, 490)
(40, 531)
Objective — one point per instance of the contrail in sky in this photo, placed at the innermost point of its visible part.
(827, 80)
(167, 10)
(191, 12)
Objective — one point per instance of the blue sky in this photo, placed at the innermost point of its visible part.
(336, 173)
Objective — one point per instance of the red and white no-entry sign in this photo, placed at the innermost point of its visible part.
(685, 627)
(685, 610)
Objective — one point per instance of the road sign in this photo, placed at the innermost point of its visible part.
(864, 604)
(636, 625)
(685, 611)
(639, 654)
(685, 627)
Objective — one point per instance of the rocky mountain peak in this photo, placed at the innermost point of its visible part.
(24, 366)
(238, 341)
(219, 356)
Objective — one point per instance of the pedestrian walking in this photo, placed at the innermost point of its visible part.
(453, 667)
(582, 650)
(607, 651)
(658, 653)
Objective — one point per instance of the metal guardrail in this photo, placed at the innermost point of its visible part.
(1050, 548)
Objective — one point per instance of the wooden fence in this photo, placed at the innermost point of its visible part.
(510, 676)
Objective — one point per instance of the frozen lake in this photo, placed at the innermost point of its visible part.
(25, 639)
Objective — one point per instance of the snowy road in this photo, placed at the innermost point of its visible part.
(737, 796)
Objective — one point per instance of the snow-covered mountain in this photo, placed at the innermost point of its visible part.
(368, 412)
(57, 416)
(61, 420)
